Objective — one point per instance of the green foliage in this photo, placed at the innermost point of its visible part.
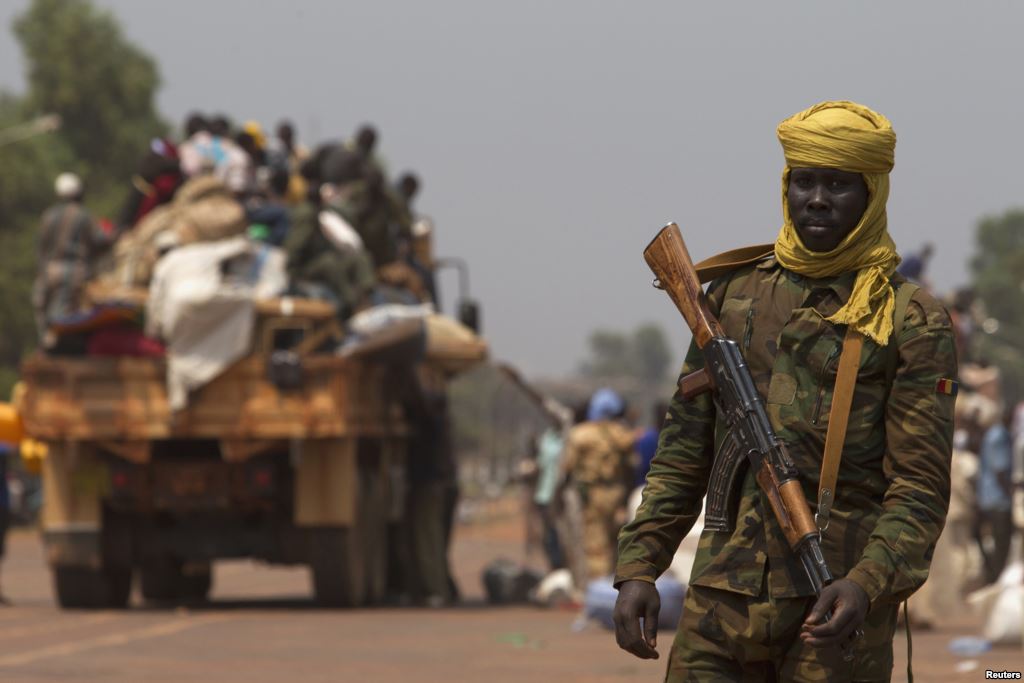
(493, 422)
(651, 352)
(998, 269)
(27, 170)
(81, 67)
(644, 354)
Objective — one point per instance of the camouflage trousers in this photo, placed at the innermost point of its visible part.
(726, 636)
(602, 505)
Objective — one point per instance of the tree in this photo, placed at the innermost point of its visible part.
(644, 354)
(609, 354)
(81, 67)
(27, 170)
(651, 352)
(998, 269)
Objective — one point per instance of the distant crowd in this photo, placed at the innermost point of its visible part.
(986, 509)
(349, 231)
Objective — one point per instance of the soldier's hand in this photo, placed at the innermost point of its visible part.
(637, 599)
(849, 604)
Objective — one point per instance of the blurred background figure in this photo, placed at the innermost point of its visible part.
(70, 245)
(286, 152)
(598, 462)
(1018, 467)
(195, 150)
(549, 447)
(155, 182)
(915, 265)
(647, 442)
(267, 209)
(995, 490)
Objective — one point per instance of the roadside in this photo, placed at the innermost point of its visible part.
(262, 627)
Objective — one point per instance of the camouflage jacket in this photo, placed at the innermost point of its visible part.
(598, 453)
(893, 487)
(70, 245)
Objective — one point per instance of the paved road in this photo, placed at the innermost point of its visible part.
(261, 627)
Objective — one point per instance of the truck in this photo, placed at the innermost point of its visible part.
(293, 461)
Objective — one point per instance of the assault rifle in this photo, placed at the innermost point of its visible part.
(750, 438)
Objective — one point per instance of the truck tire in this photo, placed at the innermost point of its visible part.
(158, 581)
(87, 588)
(337, 566)
(171, 581)
(195, 582)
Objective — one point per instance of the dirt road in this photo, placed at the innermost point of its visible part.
(261, 627)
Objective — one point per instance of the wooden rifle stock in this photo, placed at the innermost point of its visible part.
(672, 266)
(670, 261)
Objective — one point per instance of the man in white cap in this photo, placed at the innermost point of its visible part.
(70, 242)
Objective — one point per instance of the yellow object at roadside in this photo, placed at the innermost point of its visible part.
(32, 455)
(12, 431)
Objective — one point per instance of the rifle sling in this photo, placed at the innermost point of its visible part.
(842, 398)
(728, 261)
(838, 420)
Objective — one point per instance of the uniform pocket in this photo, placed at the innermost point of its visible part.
(803, 375)
(737, 318)
(826, 382)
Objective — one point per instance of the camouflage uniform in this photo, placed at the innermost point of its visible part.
(598, 458)
(316, 266)
(373, 214)
(70, 244)
(892, 492)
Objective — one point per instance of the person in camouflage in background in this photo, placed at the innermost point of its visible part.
(750, 613)
(70, 245)
(598, 463)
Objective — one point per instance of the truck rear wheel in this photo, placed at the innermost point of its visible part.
(87, 588)
(170, 580)
(337, 565)
(196, 582)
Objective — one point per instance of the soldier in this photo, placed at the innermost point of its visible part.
(750, 612)
(70, 244)
(597, 460)
(317, 265)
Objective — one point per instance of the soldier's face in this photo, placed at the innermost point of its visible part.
(825, 205)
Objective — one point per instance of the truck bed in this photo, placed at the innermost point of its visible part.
(125, 399)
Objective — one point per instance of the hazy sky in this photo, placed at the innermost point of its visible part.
(555, 138)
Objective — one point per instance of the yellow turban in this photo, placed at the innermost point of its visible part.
(849, 137)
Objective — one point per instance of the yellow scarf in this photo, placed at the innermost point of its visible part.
(850, 137)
